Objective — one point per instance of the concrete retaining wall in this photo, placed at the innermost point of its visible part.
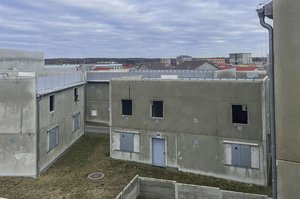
(168, 189)
(131, 191)
(157, 188)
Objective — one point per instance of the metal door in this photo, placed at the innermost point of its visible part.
(158, 152)
(126, 142)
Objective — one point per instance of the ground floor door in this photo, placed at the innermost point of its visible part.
(158, 152)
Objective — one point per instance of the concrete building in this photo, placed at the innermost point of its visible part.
(182, 58)
(97, 102)
(287, 96)
(212, 127)
(21, 60)
(196, 65)
(41, 115)
(240, 58)
(165, 61)
(152, 66)
(215, 60)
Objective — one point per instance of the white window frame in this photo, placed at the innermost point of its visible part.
(254, 149)
(75, 128)
(153, 117)
(56, 144)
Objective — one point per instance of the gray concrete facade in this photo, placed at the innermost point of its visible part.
(287, 96)
(196, 126)
(18, 127)
(26, 121)
(63, 118)
(97, 102)
(21, 60)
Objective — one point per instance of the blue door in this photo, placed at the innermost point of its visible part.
(158, 152)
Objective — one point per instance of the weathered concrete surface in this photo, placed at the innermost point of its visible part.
(196, 192)
(196, 123)
(18, 154)
(131, 191)
(65, 109)
(211, 161)
(240, 195)
(17, 105)
(156, 188)
(21, 60)
(209, 103)
(97, 102)
(161, 189)
(18, 127)
(97, 129)
(288, 179)
(287, 96)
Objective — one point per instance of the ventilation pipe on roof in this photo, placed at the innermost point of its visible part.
(267, 11)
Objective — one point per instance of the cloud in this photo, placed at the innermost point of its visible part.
(132, 28)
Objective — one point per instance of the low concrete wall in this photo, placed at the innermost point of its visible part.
(168, 189)
(131, 191)
(195, 192)
(157, 188)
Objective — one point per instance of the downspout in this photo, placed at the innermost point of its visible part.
(262, 13)
(38, 99)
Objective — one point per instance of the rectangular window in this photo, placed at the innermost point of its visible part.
(76, 122)
(53, 138)
(157, 109)
(239, 114)
(126, 142)
(242, 155)
(126, 107)
(51, 103)
(76, 96)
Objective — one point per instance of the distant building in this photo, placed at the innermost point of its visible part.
(152, 66)
(182, 58)
(165, 61)
(240, 58)
(216, 60)
(197, 65)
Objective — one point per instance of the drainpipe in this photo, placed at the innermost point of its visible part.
(38, 99)
(267, 11)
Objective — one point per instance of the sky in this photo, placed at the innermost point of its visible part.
(132, 28)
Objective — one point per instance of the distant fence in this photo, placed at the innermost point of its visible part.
(168, 189)
(58, 81)
(151, 74)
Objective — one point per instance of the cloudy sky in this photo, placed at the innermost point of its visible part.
(132, 28)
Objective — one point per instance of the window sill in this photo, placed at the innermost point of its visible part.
(239, 124)
(241, 167)
(49, 150)
(157, 118)
(118, 150)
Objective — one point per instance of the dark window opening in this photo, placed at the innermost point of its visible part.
(76, 96)
(157, 109)
(126, 107)
(51, 108)
(239, 114)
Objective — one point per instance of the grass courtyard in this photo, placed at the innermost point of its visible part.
(67, 177)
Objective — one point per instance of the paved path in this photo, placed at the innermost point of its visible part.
(97, 129)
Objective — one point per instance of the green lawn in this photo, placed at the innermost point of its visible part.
(67, 178)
